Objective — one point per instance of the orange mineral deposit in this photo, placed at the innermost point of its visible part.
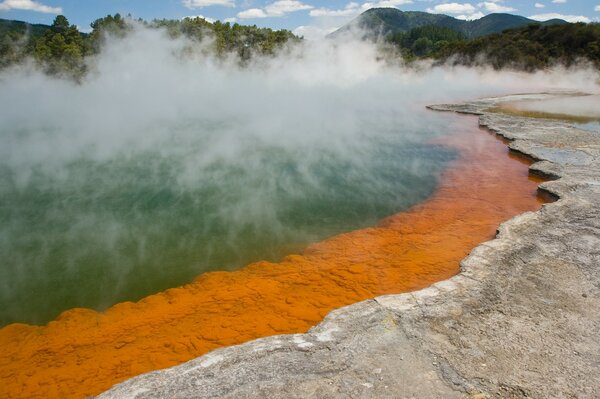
(84, 352)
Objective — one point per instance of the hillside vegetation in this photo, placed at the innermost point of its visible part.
(17, 38)
(60, 49)
(386, 22)
(497, 40)
(425, 41)
(529, 48)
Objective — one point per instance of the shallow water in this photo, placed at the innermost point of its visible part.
(583, 106)
(589, 126)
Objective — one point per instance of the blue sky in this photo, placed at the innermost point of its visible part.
(311, 18)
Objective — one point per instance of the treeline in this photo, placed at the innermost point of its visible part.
(227, 38)
(528, 48)
(61, 49)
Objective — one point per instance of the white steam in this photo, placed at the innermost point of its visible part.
(319, 92)
(164, 149)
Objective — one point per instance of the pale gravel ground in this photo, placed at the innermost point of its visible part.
(522, 319)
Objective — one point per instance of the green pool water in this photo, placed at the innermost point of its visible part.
(90, 232)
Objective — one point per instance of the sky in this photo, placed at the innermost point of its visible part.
(309, 18)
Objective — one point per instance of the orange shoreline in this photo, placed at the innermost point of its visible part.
(84, 352)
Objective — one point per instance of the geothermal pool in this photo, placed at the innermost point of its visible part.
(475, 185)
(166, 207)
(84, 229)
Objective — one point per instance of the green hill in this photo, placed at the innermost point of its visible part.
(389, 21)
(17, 39)
(528, 48)
(8, 26)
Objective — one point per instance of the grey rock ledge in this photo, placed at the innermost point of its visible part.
(521, 319)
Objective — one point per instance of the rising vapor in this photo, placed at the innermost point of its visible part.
(165, 162)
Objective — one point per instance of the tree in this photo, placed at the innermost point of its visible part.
(114, 26)
(61, 49)
(60, 24)
(425, 41)
(421, 46)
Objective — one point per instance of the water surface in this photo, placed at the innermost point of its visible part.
(482, 187)
(86, 226)
(582, 109)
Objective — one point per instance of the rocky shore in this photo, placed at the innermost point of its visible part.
(521, 319)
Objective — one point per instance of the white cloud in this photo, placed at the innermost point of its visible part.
(276, 9)
(471, 17)
(468, 12)
(553, 15)
(559, 1)
(312, 32)
(597, 8)
(385, 3)
(495, 7)
(28, 5)
(231, 20)
(84, 30)
(353, 8)
(539, 5)
(252, 13)
(349, 10)
(191, 4)
(282, 7)
(207, 19)
(453, 8)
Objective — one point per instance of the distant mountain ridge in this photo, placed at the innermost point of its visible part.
(388, 21)
(10, 26)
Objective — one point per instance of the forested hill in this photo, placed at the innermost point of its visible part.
(530, 48)
(10, 27)
(385, 22)
(60, 49)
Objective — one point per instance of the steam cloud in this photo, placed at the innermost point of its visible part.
(166, 162)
